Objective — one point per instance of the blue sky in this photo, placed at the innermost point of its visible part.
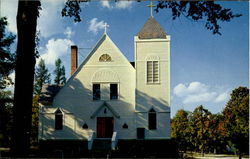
(204, 67)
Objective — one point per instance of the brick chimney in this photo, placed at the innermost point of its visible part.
(74, 58)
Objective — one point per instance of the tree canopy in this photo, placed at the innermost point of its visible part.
(202, 131)
(7, 59)
(236, 119)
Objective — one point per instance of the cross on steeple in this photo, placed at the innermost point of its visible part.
(151, 8)
(105, 27)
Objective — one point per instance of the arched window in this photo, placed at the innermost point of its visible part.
(105, 58)
(58, 120)
(152, 120)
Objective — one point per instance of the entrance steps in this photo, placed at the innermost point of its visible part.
(101, 147)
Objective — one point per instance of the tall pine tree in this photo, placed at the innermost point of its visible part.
(7, 64)
(42, 76)
(7, 59)
(59, 73)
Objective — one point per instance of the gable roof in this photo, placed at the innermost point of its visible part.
(105, 105)
(48, 93)
(152, 30)
(98, 44)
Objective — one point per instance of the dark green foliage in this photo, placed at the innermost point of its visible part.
(7, 59)
(59, 73)
(181, 131)
(6, 117)
(236, 118)
(42, 76)
(199, 10)
(200, 128)
(72, 9)
(7, 64)
(202, 131)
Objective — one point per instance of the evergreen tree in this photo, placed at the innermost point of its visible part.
(7, 64)
(7, 59)
(42, 76)
(59, 73)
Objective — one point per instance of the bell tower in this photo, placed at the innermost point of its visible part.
(152, 63)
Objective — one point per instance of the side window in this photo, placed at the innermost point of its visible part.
(58, 120)
(113, 91)
(152, 122)
(96, 92)
(152, 71)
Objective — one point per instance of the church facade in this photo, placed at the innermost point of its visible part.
(108, 97)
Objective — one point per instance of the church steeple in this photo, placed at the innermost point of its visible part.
(152, 30)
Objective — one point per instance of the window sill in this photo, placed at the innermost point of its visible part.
(154, 83)
(105, 100)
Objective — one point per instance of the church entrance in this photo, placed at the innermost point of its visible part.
(105, 127)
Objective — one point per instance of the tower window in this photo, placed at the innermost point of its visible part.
(152, 71)
(96, 92)
(113, 91)
(105, 58)
(58, 120)
(152, 122)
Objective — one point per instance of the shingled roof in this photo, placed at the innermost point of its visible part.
(48, 93)
(152, 30)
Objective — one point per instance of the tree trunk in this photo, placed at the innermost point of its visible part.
(240, 155)
(25, 64)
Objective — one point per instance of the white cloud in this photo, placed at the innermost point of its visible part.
(194, 87)
(10, 11)
(55, 48)
(222, 97)
(124, 4)
(68, 32)
(13, 76)
(50, 22)
(202, 97)
(95, 26)
(197, 92)
(105, 4)
(117, 5)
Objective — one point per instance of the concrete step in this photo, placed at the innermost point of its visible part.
(101, 144)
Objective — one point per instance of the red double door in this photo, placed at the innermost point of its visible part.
(105, 127)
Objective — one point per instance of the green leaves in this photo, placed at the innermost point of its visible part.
(236, 118)
(72, 9)
(201, 130)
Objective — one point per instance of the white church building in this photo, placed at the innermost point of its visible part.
(108, 97)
